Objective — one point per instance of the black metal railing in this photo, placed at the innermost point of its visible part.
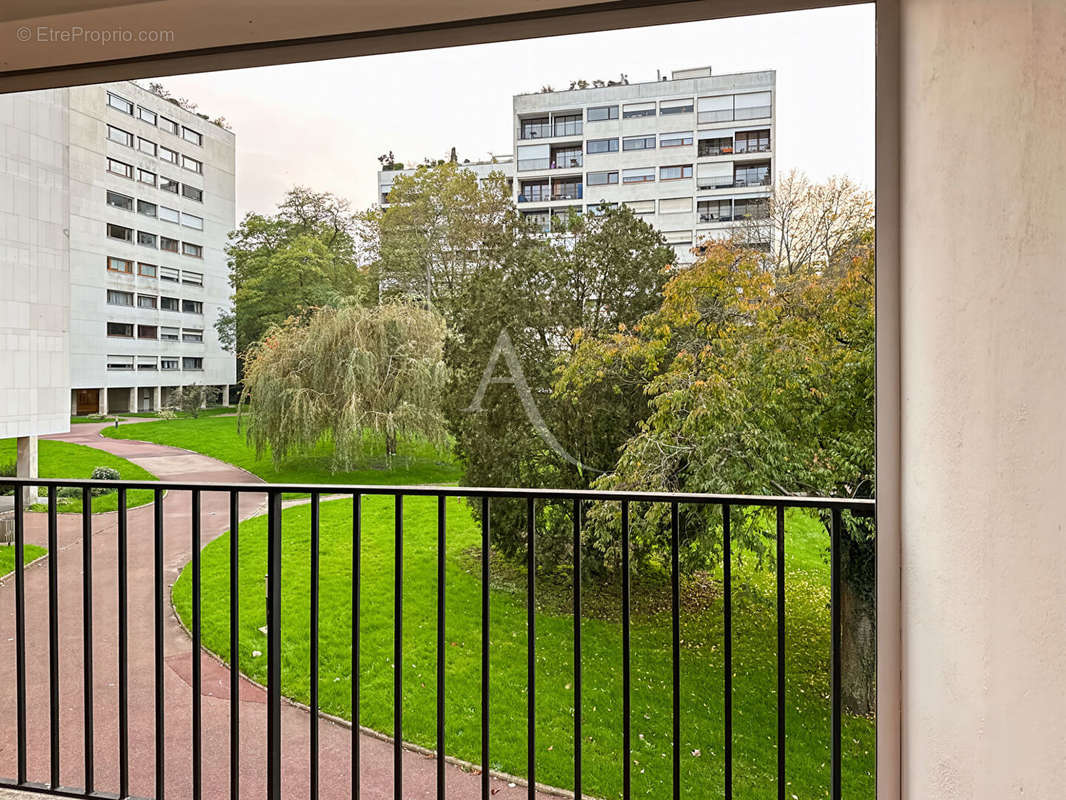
(272, 746)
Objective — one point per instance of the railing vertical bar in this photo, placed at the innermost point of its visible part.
(274, 646)
(531, 651)
(197, 672)
(627, 709)
(20, 632)
(87, 634)
(727, 590)
(781, 652)
(485, 648)
(675, 599)
(53, 637)
(577, 649)
(123, 650)
(357, 552)
(315, 501)
(441, 639)
(160, 737)
(397, 689)
(834, 605)
(234, 646)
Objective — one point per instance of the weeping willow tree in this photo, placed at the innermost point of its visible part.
(351, 374)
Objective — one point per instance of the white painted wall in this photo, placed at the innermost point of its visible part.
(983, 315)
(34, 264)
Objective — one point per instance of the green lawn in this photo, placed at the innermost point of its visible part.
(213, 411)
(30, 552)
(218, 437)
(754, 703)
(69, 460)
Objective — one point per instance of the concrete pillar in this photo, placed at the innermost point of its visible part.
(982, 360)
(225, 396)
(134, 405)
(73, 402)
(157, 398)
(26, 465)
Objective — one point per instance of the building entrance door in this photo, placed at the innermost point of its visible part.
(88, 401)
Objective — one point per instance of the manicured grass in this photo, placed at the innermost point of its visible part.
(218, 437)
(69, 460)
(30, 552)
(213, 411)
(754, 656)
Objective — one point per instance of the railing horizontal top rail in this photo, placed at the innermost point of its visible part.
(768, 501)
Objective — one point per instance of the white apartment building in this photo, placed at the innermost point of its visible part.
(692, 155)
(482, 169)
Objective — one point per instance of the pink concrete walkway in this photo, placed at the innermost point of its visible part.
(167, 463)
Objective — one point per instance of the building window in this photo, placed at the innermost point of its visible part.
(715, 109)
(120, 168)
(534, 191)
(638, 143)
(147, 362)
(715, 175)
(146, 208)
(169, 334)
(169, 274)
(121, 329)
(120, 232)
(168, 185)
(192, 193)
(641, 207)
(750, 208)
(120, 201)
(146, 146)
(170, 304)
(192, 221)
(120, 103)
(146, 115)
(715, 210)
(675, 172)
(568, 189)
(601, 113)
(168, 244)
(192, 165)
(147, 270)
(117, 298)
(192, 363)
(166, 154)
(602, 145)
(754, 105)
(190, 249)
(168, 363)
(638, 175)
(144, 176)
(602, 178)
(566, 125)
(753, 141)
(534, 128)
(169, 125)
(192, 278)
(119, 136)
(633, 110)
(189, 135)
(675, 205)
(169, 214)
(192, 335)
(192, 306)
(146, 239)
(120, 362)
(675, 106)
(678, 237)
(147, 301)
(119, 265)
(675, 139)
(601, 208)
(720, 146)
(147, 332)
(752, 174)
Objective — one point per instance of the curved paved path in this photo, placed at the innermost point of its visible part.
(168, 463)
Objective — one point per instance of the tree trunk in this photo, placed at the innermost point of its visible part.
(390, 444)
(858, 644)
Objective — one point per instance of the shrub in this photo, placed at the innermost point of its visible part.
(167, 413)
(104, 474)
(7, 470)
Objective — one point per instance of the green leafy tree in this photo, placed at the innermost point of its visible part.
(343, 374)
(306, 255)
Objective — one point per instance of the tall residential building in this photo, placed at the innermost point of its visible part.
(692, 154)
(116, 205)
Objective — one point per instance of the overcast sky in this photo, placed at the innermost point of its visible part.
(323, 124)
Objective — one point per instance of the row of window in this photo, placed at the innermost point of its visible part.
(148, 363)
(710, 210)
(172, 274)
(120, 103)
(117, 297)
(150, 148)
(127, 330)
(165, 243)
(149, 178)
(127, 203)
(740, 106)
